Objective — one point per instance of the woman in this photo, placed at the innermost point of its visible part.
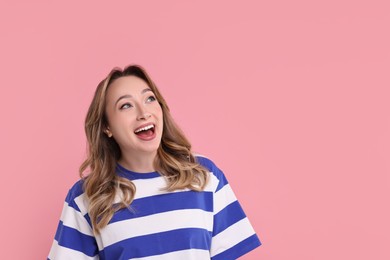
(146, 195)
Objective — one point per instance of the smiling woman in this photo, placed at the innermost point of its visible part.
(143, 194)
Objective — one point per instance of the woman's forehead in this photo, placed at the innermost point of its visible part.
(128, 85)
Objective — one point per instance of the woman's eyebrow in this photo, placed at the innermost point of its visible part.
(130, 96)
(122, 97)
(146, 90)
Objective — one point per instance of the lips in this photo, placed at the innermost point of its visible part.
(146, 132)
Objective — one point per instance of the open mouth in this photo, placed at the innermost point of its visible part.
(145, 131)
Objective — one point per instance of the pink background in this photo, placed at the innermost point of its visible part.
(289, 98)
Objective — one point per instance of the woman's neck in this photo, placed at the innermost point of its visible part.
(140, 163)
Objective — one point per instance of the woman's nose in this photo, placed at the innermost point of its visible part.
(144, 116)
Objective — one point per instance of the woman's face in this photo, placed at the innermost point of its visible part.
(134, 116)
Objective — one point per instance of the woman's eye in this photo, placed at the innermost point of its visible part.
(151, 99)
(125, 106)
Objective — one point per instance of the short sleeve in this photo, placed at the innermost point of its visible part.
(74, 238)
(233, 235)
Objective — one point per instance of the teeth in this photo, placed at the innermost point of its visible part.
(144, 128)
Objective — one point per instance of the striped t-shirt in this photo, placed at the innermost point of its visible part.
(161, 225)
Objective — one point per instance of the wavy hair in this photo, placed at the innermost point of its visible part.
(174, 158)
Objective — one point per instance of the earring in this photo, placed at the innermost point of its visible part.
(108, 133)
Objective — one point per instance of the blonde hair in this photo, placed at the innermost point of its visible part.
(174, 158)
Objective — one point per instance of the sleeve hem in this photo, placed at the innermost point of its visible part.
(238, 253)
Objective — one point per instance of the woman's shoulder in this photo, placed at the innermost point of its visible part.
(210, 166)
(205, 161)
(75, 191)
(218, 178)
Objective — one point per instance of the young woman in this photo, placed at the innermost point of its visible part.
(143, 194)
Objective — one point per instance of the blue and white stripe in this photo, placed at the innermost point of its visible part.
(183, 224)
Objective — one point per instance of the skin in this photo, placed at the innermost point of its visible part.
(130, 103)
